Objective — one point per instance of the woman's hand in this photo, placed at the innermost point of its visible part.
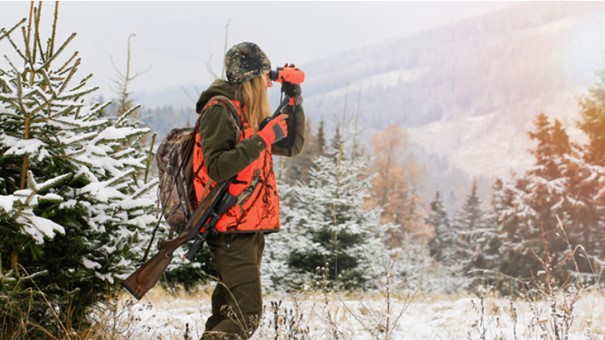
(275, 130)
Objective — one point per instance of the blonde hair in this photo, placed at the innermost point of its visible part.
(253, 96)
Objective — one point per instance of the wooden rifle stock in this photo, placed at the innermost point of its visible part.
(144, 278)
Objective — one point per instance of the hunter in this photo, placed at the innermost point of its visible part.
(242, 146)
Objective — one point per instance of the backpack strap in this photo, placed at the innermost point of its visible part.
(228, 104)
(235, 119)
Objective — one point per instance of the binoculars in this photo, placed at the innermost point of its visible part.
(288, 74)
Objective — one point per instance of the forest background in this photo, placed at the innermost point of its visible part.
(370, 197)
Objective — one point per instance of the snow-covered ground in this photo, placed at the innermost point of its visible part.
(348, 316)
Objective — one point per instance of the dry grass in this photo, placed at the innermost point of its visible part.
(313, 315)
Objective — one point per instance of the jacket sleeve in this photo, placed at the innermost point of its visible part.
(224, 154)
(293, 143)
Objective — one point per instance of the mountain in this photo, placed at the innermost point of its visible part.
(467, 92)
(470, 90)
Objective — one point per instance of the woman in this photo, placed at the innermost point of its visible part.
(234, 144)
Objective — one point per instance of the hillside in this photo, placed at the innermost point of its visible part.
(467, 92)
(470, 90)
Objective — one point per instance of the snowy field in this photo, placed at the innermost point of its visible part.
(346, 316)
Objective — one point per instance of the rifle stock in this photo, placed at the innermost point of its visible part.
(144, 278)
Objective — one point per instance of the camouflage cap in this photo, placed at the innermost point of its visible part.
(245, 61)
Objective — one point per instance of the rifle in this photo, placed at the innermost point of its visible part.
(199, 227)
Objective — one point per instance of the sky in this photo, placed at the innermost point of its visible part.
(182, 43)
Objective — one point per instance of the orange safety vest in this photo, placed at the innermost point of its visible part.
(255, 187)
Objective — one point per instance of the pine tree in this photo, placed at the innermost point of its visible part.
(326, 225)
(471, 216)
(470, 221)
(443, 245)
(321, 138)
(590, 178)
(545, 188)
(593, 122)
(297, 168)
(553, 203)
(447, 246)
(73, 200)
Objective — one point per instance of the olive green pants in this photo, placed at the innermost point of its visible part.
(236, 301)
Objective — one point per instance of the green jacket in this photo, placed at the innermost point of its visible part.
(224, 154)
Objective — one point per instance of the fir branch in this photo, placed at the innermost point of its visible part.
(52, 183)
(125, 115)
(72, 155)
(37, 39)
(27, 34)
(51, 42)
(65, 66)
(150, 156)
(55, 55)
(38, 109)
(124, 153)
(62, 113)
(145, 188)
(16, 48)
(80, 138)
(4, 33)
(31, 182)
(14, 69)
(20, 103)
(83, 83)
(71, 73)
(34, 96)
(121, 177)
(48, 80)
(75, 94)
(94, 111)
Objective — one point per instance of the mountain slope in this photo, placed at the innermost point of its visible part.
(470, 90)
(467, 92)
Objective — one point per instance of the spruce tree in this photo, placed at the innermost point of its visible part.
(327, 231)
(444, 245)
(321, 138)
(553, 203)
(297, 168)
(593, 122)
(447, 246)
(73, 200)
(471, 221)
(499, 245)
(591, 179)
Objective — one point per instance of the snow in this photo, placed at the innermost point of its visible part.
(25, 146)
(90, 264)
(102, 191)
(360, 316)
(38, 227)
(6, 202)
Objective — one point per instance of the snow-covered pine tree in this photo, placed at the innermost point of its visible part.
(446, 247)
(72, 200)
(499, 243)
(471, 224)
(321, 138)
(326, 225)
(593, 122)
(293, 169)
(554, 195)
(593, 153)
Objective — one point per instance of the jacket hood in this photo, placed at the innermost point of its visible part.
(218, 87)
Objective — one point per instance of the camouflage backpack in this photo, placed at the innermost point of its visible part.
(175, 165)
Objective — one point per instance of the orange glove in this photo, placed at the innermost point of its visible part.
(275, 130)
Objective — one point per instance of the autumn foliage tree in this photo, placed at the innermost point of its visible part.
(394, 182)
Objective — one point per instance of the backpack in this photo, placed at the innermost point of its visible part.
(174, 159)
